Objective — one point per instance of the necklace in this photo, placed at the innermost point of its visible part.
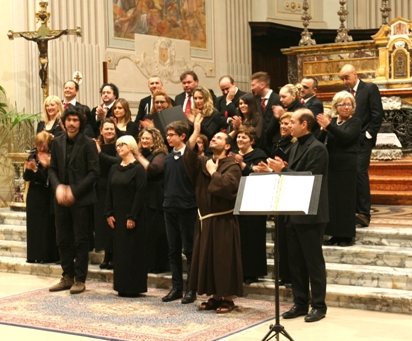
(340, 123)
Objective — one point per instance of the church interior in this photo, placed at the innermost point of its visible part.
(369, 284)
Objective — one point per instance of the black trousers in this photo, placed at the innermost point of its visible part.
(363, 192)
(180, 230)
(307, 264)
(72, 225)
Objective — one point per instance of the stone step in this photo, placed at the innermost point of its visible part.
(13, 232)
(362, 275)
(347, 296)
(382, 197)
(390, 183)
(9, 217)
(390, 168)
(385, 236)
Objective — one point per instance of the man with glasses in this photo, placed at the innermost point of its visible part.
(369, 109)
(180, 210)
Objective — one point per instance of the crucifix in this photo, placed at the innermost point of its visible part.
(42, 37)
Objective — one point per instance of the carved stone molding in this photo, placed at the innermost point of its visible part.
(164, 57)
(392, 103)
(293, 6)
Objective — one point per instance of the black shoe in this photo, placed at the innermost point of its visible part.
(362, 220)
(295, 312)
(174, 294)
(250, 280)
(285, 284)
(109, 266)
(103, 265)
(315, 315)
(346, 242)
(332, 241)
(190, 297)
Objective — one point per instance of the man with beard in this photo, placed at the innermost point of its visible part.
(109, 93)
(216, 261)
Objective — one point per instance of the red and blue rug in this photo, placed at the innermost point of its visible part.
(99, 312)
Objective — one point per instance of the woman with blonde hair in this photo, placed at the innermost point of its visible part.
(151, 154)
(204, 105)
(51, 116)
(123, 118)
(126, 191)
(41, 231)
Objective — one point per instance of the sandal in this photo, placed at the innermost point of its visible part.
(210, 304)
(225, 307)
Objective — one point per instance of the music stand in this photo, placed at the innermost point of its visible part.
(261, 186)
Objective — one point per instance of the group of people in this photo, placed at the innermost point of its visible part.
(145, 197)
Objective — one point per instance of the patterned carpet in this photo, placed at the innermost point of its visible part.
(395, 216)
(99, 312)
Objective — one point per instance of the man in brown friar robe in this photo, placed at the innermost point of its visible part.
(216, 263)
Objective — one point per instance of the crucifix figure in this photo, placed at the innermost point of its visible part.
(42, 37)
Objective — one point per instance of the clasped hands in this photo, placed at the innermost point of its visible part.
(323, 120)
(64, 195)
(275, 165)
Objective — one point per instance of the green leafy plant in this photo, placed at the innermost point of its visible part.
(15, 121)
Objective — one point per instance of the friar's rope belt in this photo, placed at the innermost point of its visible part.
(210, 215)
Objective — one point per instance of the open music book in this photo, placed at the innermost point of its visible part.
(275, 193)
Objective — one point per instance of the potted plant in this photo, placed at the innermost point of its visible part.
(16, 137)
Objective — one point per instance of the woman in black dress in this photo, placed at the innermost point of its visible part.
(106, 145)
(289, 97)
(123, 118)
(41, 231)
(341, 136)
(126, 192)
(204, 105)
(152, 152)
(252, 227)
(51, 116)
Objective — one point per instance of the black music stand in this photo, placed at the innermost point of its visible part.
(245, 207)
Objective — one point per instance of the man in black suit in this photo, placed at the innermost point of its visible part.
(70, 90)
(190, 81)
(228, 103)
(266, 100)
(305, 233)
(109, 93)
(73, 171)
(309, 99)
(154, 83)
(369, 109)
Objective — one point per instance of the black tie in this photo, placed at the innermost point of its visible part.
(176, 154)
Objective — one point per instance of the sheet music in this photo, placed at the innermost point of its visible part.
(254, 199)
(295, 193)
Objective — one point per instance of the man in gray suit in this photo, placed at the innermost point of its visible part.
(73, 171)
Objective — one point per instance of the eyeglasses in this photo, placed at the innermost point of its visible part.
(171, 135)
(120, 145)
(347, 105)
(159, 102)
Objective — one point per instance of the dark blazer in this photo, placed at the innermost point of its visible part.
(274, 99)
(55, 130)
(96, 124)
(145, 106)
(316, 106)
(180, 98)
(230, 109)
(369, 107)
(311, 156)
(83, 169)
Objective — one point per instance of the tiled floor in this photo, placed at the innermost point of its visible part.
(340, 324)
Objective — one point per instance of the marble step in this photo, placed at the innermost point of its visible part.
(358, 254)
(362, 275)
(9, 217)
(382, 197)
(13, 232)
(347, 296)
(391, 183)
